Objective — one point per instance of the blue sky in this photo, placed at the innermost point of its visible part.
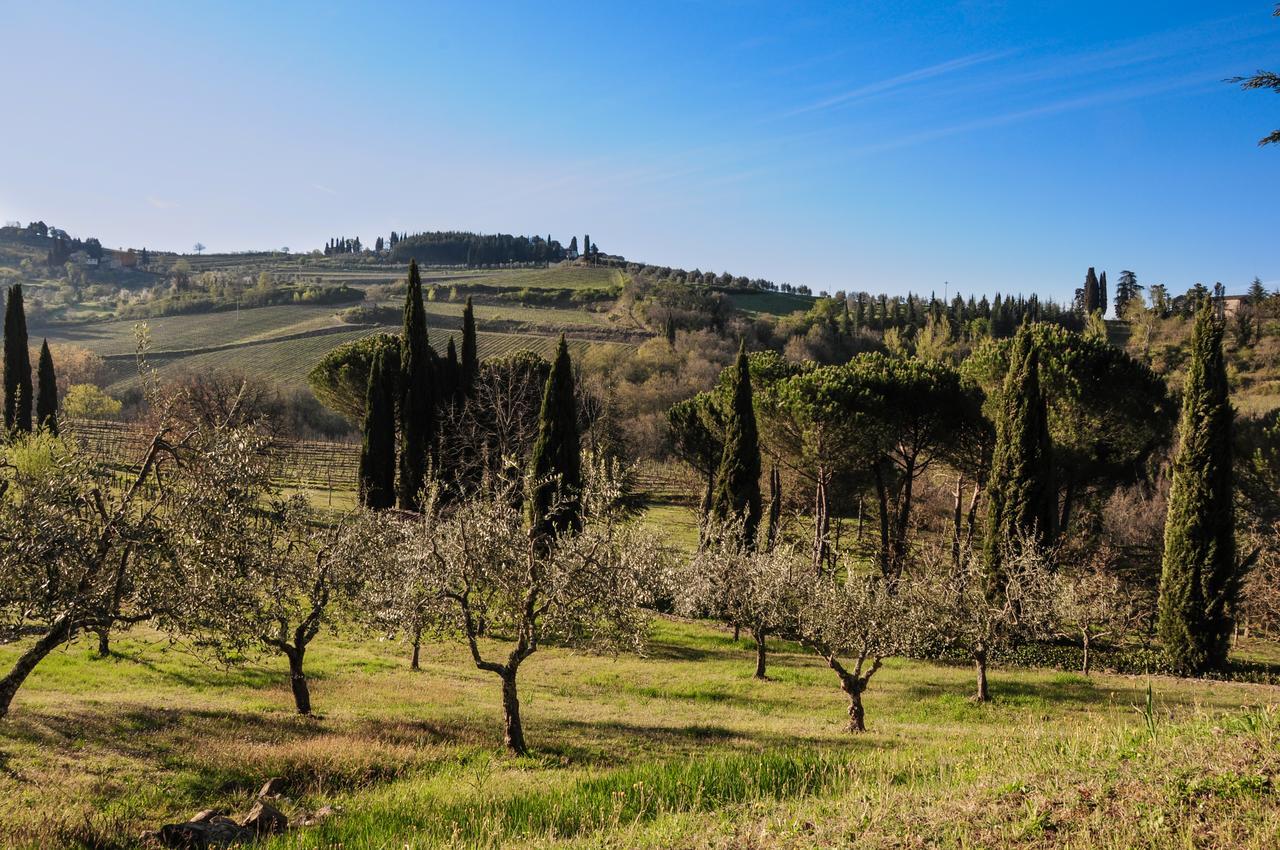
(873, 145)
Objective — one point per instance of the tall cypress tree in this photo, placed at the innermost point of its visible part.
(1090, 292)
(17, 365)
(1102, 293)
(555, 467)
(470, 365)
(737, 495)
(378, 452)
(1021, 497)
(1199, 577)
(46, 392)
(417, 412)
(450, 379)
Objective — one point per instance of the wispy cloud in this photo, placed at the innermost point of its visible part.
(160, 203)
(1086, 101)
(880, 87)
(325, 189)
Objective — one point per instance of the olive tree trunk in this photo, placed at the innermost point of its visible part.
(57, 634)
(759, 636)
(980, 666)
(417, 647)
(513, 733)
(853, 683)
(298, 679)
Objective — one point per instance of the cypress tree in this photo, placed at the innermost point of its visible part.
(470, 365)
(1090, 292)
(555, 467)
(46, 392)
(17, 365)
(737, 493)
(417, 413)
(1199, 578)
(1102, 293)
(378, 452)
(450, 388)
(1021, 498)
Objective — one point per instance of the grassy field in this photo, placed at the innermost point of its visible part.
(775, 303)
(679, 749)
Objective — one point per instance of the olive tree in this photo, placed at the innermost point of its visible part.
(1089, 602)
(853, 622)
(746, 587)
(83, 548)
(486, 578)
(978, 617)
(290, 573)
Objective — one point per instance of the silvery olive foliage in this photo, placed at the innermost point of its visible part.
(853, 621)
(281, 573)
(84, 546)
(745, 587)
(969, 612)
(470, 571)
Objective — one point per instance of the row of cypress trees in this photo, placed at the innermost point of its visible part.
(408, 387)
(18, 390)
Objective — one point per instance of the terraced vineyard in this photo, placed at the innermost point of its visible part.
(179, 333)
(288, 361)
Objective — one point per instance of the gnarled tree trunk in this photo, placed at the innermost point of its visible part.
(853, 683)
(513, 735)
(58, 633)
(298, 679)
(980, 666)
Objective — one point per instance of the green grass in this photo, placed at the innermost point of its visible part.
(678, 749)
(775, 303)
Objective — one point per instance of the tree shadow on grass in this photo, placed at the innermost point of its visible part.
(614, 742)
